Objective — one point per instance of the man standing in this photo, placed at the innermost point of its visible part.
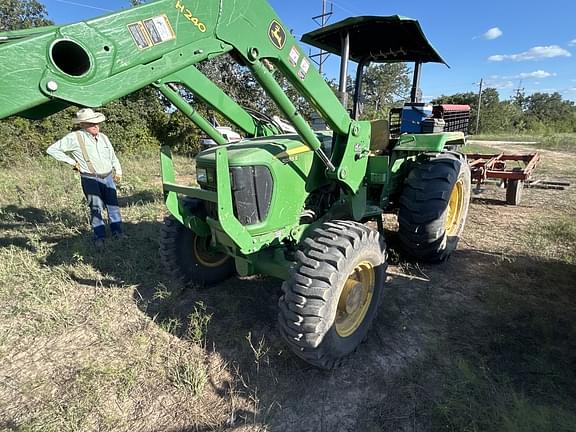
(90, 152)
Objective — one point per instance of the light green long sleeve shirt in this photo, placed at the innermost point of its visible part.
(99, 150)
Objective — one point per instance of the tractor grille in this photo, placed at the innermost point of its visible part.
(251, 193)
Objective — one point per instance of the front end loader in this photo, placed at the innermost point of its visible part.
(293, 206)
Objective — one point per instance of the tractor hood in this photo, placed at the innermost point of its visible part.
(259, 150)
(380, 39)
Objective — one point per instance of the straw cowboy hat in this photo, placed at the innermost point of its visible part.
(87, 115)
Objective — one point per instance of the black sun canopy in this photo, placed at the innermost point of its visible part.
(381, 39)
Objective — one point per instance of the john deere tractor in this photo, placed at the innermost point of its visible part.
(294, 206)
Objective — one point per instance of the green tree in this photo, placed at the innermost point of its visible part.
(549, 112)
(537, 113)
(22, 14)
(383, 86)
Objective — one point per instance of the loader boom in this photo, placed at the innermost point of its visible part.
(94, 62)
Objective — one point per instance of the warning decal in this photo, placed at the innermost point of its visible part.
(151, 31)
(304, 66)
(140, 35)
(160, 29)
(294, 56)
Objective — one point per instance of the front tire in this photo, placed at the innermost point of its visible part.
(333, 292)
(434, 206)
(189, 258)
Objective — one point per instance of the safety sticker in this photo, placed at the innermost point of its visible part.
(159, 29)
(140, 35)
(294, 56)
(304, 66)
(151, 31)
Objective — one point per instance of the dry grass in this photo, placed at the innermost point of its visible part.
(79, 349)
(88, 341)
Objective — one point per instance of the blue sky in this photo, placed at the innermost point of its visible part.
(507, 43)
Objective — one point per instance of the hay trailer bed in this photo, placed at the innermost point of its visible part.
(512, 169)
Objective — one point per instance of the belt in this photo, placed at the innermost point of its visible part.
(100, 176)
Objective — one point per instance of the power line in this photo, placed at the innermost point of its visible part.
(349, 11)
(84, 5)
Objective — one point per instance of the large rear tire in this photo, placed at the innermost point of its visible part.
(333, 292)
(189, 258)
(434, 206)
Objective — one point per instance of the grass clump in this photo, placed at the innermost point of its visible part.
(198, 321)
(190, 376)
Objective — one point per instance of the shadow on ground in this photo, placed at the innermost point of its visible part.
(510, 321)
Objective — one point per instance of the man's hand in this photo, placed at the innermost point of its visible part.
(76, 167)
(117, 178)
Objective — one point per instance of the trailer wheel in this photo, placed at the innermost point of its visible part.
(190, 258)
(433, 207)
(332, 294)
(514, 192)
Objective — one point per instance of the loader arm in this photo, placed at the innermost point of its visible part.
(93, 62)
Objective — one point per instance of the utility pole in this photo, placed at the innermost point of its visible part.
(479, 103)
(519, 90)
(519, 96)
(322, 20)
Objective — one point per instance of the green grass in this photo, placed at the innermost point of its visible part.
(479, 400)
(478, 148)
(563, 142)
(555, 239)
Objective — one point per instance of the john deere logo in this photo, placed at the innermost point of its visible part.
(277, 34)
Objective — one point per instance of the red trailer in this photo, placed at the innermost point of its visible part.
(498, 166)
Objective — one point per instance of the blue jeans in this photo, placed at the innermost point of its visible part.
(101, 193)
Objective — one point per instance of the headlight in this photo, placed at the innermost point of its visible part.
(201, 175)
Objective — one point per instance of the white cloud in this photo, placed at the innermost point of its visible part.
(535, 74)
(493, 33)
(524, 75)
(534, 53)
(572, 42)
(499, 85)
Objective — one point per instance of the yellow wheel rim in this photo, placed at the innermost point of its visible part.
(455, 206)
(355, 299)
(205, 254)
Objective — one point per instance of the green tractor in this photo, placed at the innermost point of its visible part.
(290, 205)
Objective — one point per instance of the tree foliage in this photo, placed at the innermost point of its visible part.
(22, 14)
(538, 113)
(543, 109)
(383, 86)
